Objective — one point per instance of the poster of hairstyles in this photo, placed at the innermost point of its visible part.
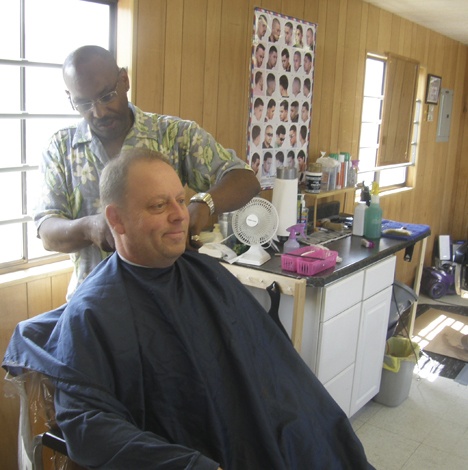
(282, 78)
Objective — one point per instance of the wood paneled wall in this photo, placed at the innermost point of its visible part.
(191, 58)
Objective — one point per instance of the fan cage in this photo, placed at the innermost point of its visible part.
(264, 230)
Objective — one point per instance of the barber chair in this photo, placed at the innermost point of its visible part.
(41, 445)
(460, 259)
(40, 442)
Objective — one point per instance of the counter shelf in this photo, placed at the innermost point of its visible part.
(310, 198)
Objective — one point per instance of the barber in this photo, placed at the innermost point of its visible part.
(68, 217)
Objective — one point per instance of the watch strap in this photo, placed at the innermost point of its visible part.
(206, 198)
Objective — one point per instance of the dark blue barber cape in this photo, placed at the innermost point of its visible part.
(181, 368)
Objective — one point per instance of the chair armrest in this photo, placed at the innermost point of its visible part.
(55, 441)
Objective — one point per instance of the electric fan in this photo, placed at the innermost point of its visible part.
(254, 225)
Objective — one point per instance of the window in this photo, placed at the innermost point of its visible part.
(390, 121)
(35, 37)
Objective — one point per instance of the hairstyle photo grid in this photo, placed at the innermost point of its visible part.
(282, 76)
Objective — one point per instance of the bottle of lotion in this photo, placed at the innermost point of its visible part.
(359, 218)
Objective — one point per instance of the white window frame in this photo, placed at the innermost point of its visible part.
(377, 173)
(24, 219)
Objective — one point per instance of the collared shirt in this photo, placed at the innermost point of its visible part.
(75, 158)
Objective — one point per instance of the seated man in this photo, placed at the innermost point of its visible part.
(162, 359)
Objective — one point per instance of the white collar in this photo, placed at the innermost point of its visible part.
(130, 262)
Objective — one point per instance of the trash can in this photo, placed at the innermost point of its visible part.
(401, 355)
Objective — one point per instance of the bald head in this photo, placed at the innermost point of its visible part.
(97, 89)
(87, 62)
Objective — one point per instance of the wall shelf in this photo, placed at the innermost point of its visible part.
(312, 198)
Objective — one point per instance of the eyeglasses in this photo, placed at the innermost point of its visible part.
(103, 100)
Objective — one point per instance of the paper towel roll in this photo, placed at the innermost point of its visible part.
(285, 199)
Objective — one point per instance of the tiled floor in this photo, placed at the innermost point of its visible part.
(429, 430)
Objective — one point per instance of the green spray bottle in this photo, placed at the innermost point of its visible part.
(373, 220)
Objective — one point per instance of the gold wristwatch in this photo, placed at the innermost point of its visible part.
(206, 198)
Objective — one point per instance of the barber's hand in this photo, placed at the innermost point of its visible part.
(199, 219)
(99, 233)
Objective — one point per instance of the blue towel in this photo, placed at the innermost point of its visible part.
(414, 229)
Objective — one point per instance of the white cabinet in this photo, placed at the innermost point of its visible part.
(344, 331)
(370, 348)
(351, 334)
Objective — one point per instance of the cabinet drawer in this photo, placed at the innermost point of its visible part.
(340, 388)
(338, 343)
(341, 295)
(379, 276)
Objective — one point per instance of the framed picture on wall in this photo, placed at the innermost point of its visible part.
(434, 84)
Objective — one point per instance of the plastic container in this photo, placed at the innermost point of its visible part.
(289, 260)
(353, 173)
(359, 218)
(308, 260)
(328, 179)
(400, 358)
(313, 178)
(310, 266)
(329, 171)
(373, 220)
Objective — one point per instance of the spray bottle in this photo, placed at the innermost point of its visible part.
(373, 218)
(291, 243)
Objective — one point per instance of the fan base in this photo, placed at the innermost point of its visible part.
(254, 256)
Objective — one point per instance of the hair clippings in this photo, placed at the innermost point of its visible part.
(367, 243)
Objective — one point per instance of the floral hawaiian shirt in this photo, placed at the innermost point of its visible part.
(73, 162)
